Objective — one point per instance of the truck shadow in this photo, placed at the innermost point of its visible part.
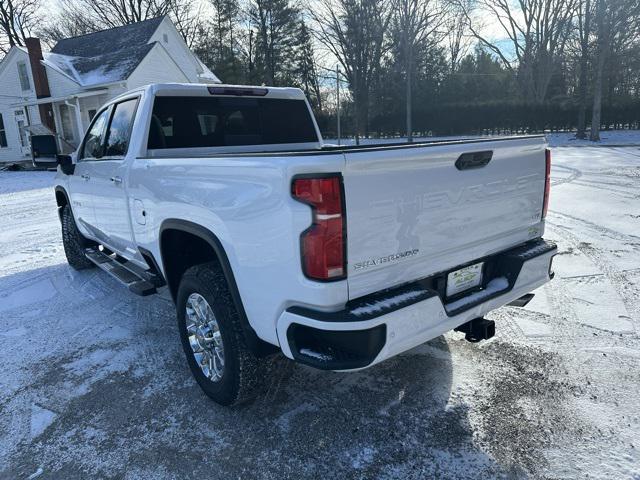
(109, 369)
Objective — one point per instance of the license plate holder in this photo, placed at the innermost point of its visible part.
(465, 278)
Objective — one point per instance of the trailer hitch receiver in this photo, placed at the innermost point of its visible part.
(477, 329)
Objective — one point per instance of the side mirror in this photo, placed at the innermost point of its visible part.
(66, 164)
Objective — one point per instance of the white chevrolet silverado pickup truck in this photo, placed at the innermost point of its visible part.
(269, 240)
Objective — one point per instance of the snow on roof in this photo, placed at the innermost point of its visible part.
(103, 57)
(99, 69)
(108, 56)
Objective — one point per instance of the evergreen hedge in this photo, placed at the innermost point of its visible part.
(490, 118)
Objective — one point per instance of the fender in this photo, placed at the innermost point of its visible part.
(259, 347)
(59, 188)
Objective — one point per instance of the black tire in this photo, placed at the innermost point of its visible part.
(240, 379)
(73, 241)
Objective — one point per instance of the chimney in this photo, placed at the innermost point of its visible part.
(40, 81)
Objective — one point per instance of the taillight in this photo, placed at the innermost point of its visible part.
(323, 244)
(547, 182)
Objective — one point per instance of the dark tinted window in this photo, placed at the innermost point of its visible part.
(94, 140)
(120, 128)
(182, 122)
(3, 134)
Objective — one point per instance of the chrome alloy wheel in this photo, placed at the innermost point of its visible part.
(204, 337)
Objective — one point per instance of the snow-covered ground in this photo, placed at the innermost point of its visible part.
(567, 139)
(94, 383)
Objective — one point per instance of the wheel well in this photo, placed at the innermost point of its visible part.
(184, 244)
(61, 200)
(180, 251)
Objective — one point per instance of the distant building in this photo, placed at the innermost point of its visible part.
(60, 91)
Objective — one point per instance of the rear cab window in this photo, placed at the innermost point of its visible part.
(191, 122)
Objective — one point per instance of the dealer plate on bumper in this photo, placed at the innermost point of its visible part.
(464, 279)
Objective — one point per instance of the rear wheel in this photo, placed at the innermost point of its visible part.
(212, 337)
(73, 241)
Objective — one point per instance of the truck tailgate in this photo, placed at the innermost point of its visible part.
(412, 213)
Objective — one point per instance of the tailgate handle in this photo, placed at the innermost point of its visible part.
(470, 160)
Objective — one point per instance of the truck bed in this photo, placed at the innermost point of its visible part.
(315, 149)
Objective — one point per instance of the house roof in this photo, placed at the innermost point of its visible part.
(118, 38)
(104, 57)
(109, 67)
(110, 55)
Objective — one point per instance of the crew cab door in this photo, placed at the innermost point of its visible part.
(80, 183)
(110, 201)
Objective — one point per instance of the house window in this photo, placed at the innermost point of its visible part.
(3, 134)
(165, 38)
(24, 76)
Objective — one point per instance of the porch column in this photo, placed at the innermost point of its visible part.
(79, 122)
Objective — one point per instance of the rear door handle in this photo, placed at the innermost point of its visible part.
(85, 176)
(116, 180)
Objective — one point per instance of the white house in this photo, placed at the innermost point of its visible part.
(60, 91)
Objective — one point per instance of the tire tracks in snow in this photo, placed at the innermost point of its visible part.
(599, 186)
(574, 175)
(629, 239)
(622, 284)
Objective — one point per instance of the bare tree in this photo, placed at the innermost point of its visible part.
(114, 13)
(583, 16)
(537, 31)
(187, 17)
(65, 25)
(354, 32)
(457, 33)
(416, 24)
(617, 27)
(78, 17)
(18, 18)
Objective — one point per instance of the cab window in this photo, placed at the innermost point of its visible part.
(120, 128)
(93, 147)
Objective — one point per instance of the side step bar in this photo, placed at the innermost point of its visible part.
(138, 281)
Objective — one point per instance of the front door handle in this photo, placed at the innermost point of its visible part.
(116, 180)
(85, 176)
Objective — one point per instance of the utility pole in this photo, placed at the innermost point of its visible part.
(338, 102)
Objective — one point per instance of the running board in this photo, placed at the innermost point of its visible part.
(138, 281)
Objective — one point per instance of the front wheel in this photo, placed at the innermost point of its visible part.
(73, 241)
(212, 337)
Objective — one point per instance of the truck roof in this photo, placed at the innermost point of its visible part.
(191, 89)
